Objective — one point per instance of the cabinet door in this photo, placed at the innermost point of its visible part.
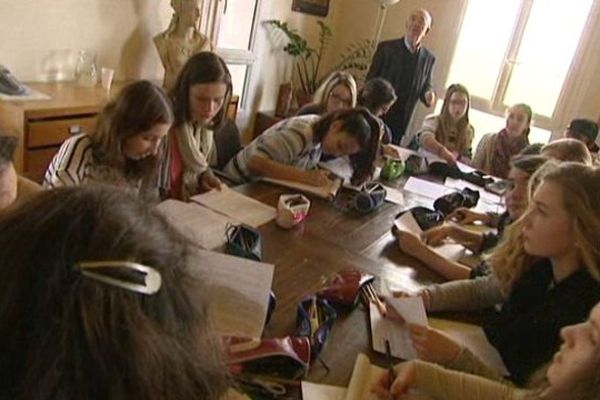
(53, 132)
(37, 161)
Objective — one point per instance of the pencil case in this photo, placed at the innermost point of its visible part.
(314, 320)
(342, 289)
(286, 358)
(244, 241)
(291, 210)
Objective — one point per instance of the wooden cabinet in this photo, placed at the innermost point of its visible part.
(42, 125)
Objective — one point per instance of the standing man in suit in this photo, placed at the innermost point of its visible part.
(408, 67)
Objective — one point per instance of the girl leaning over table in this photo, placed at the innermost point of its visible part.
(572, 374)
(545, 275)
(123, 149)
(291, 149)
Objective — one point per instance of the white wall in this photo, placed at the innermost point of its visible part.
(119, 31)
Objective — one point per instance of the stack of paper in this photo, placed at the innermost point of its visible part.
(199, 224)
(237, 291)
(452, 251)
(237, 206)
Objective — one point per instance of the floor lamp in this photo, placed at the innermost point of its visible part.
(381, 13)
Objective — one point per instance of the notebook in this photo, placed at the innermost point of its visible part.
(236, 205)
(326, 192)
(364, 376)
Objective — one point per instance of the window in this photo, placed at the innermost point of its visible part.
(517, 51)
(232, 25)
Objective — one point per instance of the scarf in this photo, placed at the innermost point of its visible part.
(505, 148)
(198, 151)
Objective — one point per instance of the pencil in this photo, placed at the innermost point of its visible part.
(377, 301)
(390, 364)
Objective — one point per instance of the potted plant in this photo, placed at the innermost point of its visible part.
(308, 59)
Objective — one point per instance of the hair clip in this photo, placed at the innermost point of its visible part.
(152, 280)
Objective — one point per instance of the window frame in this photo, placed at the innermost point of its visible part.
(570, 86)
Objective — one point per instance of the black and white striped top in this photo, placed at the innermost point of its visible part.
(289, 142)
(71, 164)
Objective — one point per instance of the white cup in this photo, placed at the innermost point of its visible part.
(106, 77)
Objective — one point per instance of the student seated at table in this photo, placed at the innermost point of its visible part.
(123, 149)
(449, 135)
(73, 330)
(545, 276)
(14, 189)
(377, 96)
(571, 375)
(586, 131)
(292, 148)
(337, 92)
(567, 149)
(522, 168)
(495, 150)
(201, 95)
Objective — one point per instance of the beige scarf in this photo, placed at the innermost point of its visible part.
(198, 151)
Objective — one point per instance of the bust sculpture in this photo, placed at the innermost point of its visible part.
(181, 40)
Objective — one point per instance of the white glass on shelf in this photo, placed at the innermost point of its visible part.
(86, 71)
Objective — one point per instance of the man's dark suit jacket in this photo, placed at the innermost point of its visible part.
(390, 63)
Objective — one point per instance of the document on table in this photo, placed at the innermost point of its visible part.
(201, 225)
(397, 333)
(236, 205)
(237, 291)
(472, 337)
(451, 251)
(425, 188)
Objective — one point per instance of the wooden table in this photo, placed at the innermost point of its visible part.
(328, 241)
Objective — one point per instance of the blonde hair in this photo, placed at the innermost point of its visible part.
(333, 80)
(580, 186)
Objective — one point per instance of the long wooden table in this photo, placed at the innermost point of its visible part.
(331, 240)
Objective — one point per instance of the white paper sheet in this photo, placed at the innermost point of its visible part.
(236, 205)
(199, 224)
(237, 290)
(450, 251)
(394, 195)
(382, 329)
(473, 337)
(317, 391)
(326, 192)
(339, 166)
(29, 95)
(425, 188)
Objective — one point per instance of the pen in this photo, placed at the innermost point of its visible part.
(380, 306)
(390, 364)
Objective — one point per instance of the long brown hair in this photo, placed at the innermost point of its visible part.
(66, 336)
(138, 107)
(462, 125)
(203, 67)
(580, 186)
(360, 124)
